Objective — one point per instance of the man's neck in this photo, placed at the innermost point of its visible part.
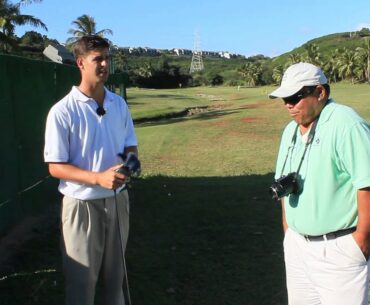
(94, 91)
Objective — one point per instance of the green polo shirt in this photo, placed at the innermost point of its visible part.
(335, 167)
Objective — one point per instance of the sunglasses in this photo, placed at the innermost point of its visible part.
(304, 92)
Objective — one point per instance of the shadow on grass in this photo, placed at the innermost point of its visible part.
(176, 117)
(162, 96)
(204, 240)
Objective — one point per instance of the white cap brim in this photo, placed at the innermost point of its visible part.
(283, 92)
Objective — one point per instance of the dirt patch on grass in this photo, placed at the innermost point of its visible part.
(211, 97)
(253, 120)
(221, 124)
(251, 106)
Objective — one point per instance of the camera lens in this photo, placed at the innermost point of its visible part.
(284, 186)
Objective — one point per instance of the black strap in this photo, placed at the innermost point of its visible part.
(292, 143)
(310, 138)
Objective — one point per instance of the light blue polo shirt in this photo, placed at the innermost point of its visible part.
(335, 167)
(76, 134)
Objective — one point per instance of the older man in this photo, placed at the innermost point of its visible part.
(326, 197)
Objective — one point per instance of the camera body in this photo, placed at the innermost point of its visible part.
(131, 166)
(284, 186)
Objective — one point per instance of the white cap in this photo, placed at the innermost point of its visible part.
(298, 76)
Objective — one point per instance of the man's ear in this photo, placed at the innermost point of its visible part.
(79, 62)
(321, 92)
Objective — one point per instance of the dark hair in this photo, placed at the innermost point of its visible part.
(327, 88)
(88, 43)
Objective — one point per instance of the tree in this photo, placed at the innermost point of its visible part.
(277, 74)
(331, 65)
(120, 61)
(313, 55)
(10, 17)
(364, 32)
(252, 73)
(217, 80)
(85, 25)
(32, 38)
(363, 56)
(294, 58)
(145, 70)
(348, 67)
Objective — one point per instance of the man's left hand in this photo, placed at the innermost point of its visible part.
(363, 241)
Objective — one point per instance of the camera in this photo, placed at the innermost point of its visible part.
(131, 166)
(284, 186)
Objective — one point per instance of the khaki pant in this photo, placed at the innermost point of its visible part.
(327, 272)
(91, 248)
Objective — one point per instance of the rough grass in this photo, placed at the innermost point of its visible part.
(203, 230)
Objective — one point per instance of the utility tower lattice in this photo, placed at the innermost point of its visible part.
(197, 59)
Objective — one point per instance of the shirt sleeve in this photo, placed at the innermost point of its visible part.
(56, 147)
(131, 139)
(356, 154)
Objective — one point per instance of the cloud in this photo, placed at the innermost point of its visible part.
(362, 25)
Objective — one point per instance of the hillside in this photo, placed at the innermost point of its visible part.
(328, 43)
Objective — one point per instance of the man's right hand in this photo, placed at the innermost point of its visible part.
(111, 179)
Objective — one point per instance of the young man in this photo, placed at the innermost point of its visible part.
(85, 132)
(326, 212)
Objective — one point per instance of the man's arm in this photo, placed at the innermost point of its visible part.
(109, 179)
(362, 233)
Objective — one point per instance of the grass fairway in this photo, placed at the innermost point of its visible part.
(238, 134)
(203, 228)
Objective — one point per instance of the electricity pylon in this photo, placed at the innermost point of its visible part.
(197, 59)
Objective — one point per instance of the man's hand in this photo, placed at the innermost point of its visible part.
(363, 241)
(362, 233)
(111, 179)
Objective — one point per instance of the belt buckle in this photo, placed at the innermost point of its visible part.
(315, 238)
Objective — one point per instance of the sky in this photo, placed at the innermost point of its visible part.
(245, 27)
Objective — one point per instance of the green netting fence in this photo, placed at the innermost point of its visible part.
(28, 88)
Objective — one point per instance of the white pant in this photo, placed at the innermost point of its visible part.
(328, 272)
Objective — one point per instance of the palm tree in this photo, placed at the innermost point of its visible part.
(85, 25)
(277, 74)
(145, 70)
(120, 60)
(294, 58)
(348, 67)
(313, 55)
(10, 17)
(363, 56)
(331, 65)
(252, 72)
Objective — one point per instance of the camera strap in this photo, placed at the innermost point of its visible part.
(311, 135)
(310, 138)
(292, 143)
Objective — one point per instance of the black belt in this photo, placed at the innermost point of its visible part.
(329, 236)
